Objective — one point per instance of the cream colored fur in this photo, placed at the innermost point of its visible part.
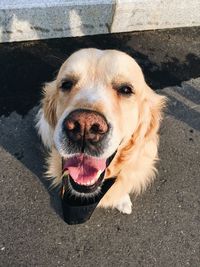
(136, 120)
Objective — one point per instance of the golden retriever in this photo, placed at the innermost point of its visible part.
(100, 108)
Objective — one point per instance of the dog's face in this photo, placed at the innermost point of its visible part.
(94, 111)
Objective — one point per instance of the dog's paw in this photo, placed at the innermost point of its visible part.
(124, 205)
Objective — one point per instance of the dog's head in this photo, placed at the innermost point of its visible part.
(98, 107)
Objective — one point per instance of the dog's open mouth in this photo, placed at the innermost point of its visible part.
(85, 173)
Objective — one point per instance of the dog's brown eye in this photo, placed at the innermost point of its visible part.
(67, 85)
(125, 90)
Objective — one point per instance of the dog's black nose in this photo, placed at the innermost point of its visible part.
(86, 125)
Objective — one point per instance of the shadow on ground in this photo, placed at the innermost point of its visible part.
(24, 67)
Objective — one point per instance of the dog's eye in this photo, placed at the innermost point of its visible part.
(125, 90)
(67, 85)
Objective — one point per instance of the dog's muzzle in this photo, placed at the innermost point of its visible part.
(85, 137)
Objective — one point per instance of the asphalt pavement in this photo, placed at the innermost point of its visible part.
(164, 228)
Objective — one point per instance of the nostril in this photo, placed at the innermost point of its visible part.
(69, 125)
(73, 126)
(77, 127)
(95, 128)
(98, 128)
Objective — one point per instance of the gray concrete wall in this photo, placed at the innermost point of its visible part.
(32, 20)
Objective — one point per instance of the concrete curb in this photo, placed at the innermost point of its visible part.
(22, 20)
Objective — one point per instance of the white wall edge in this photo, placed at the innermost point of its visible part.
(35, 20)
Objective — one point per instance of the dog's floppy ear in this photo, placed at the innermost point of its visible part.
(46, 117)
(151, 115)
(49, 103)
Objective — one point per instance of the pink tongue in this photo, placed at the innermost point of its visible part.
(84, 169)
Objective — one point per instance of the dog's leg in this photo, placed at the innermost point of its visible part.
(118, 197)
(124, 205)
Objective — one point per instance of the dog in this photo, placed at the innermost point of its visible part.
(100, 119)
